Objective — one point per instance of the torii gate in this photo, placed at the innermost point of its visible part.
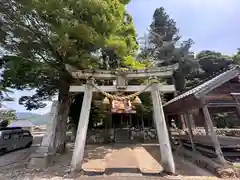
(121, 78)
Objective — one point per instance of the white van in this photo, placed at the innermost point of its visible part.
(14, 138)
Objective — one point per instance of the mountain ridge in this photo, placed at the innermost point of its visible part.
(25, 115)
(36, 119)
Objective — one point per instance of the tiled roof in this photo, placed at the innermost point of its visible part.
(203, 86)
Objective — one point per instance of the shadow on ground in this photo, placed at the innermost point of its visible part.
(182, 168)
(14, 165)
(96, 152)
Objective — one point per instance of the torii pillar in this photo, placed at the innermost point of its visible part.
(162, 132)
(80, 141)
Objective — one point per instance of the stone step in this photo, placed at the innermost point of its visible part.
(94, 165)
(122, 140)
(95, 159)
(125, 139)
(122, 161)
(122, 137)
(146, 163)
(122, 133)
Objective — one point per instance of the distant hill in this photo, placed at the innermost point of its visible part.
(26, 115)
(41, 119)
(35, 118)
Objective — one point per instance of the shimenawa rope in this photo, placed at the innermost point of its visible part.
(122, 98)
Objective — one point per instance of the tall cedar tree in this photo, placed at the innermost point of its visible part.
(164, 48)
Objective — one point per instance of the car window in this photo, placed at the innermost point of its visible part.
(6, 136)
(15, 135)
(26, 134)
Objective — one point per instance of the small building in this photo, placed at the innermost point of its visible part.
(219, 94)
(24, 124)
(198, 106)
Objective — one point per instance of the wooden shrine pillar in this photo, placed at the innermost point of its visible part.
(168, 128)
(212, 132)
(191, 120)
(206, 128)
(78, 153)
(187, 117)
(238, 110)
(204, 124)
(162, 132)
(142, 122)
(183, 125)
(236, 97)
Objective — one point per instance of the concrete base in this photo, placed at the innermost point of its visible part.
(41, 160)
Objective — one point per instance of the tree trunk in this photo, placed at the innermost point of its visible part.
(74, 130)
(64, 102)
(61, 129)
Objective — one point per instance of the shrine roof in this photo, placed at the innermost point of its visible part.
(209, 85)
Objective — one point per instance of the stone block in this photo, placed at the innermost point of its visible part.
(40, 160)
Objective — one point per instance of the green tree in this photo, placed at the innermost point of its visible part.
(4, 123)
(210, 63)
(163, 46)
(4, 94)
(40, 37)
(6, 116)
(236, 57)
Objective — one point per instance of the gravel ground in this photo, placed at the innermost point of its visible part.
(13, 167)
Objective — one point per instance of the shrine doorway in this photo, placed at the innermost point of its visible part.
(122, 112)
(121, 120)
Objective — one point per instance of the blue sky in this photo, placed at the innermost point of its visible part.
(212, 24)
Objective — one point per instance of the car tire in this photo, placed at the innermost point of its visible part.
(2, 151)
(29, 145)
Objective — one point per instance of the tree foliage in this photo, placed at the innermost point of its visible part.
(7, 115)
(4, 123)
(4, 94)
(164, 47)
(40, 37)
(210, 63)
(236, 57)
